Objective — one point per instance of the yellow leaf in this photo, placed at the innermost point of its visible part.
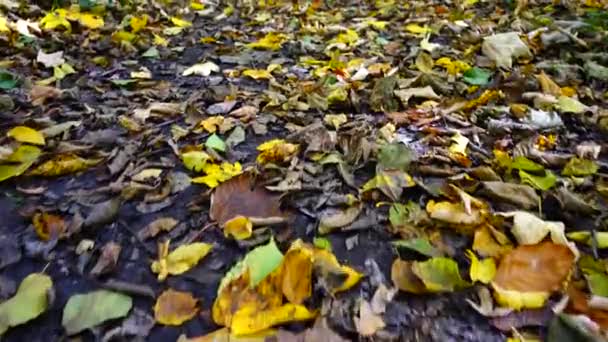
(257, 74)
(349, 38)
(329, 267)
(174, 307)
(210, 124)
(180, 260)
(197, 6)
(25, 134)
(138, 23)
(216, 174)
(483, 99)
(195, 160)
(271, 41)
(19, 161)
(240, 228)
(518, 300)
(180, 22)
(123, 36)
(63, 164)
(481, 270)
(459, 145)
(55, 19)
(251, 318)
(417, 29)
(297, 273)
(91, 21)
(276, 151)
(335, 120)
(452, 67)
(4, 24)
(160, 41)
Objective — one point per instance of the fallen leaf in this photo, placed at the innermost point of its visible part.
(368, 322)
(502, 48)
(579, 167)
(271, 41)
(257, 74)
(175, 307)
(63, 164)
(50, 60)
(239, 196)
(406, 94)
(517, 194)
(26, 135)
(239, 228)
(202, 69)
(216, 174)
(30, 301)
(250, 319)
(84, 311)
(110, 252)
(48, 226)
(276, 151)
(333, 219)
(481, 270)
(19, 161)
(163, 224)
(180, 260)
(527, 275)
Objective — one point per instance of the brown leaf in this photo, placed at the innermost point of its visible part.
(535, 268)
(39, 94)
(48, 226)
(174, 307)
(163, 224)
(240, 196)
(108, 259)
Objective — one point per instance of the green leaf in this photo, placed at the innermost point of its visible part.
(29, 302)
(545, 182)
(84, 311)
(124, 83)
(477, 76)
(598, 284)
(420, 245)
(523, 163)
(7, 80)
(580, 167)
(322, 243)
(439, 275)
(395, 156)
(569, 105)
(151, 53)
(216, 143)
(260, 262)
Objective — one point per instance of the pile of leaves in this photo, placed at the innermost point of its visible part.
(304, 170)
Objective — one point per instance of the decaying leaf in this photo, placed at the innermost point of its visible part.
(240, 196)
(163, 224)
(63, 164)
(276, 151)
(175, 307)
(502, 48)
(48, 226)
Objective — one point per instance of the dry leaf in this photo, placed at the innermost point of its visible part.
(175, 307)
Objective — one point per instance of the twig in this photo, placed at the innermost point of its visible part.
(130, 288)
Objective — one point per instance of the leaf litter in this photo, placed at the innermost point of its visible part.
(392, 170)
